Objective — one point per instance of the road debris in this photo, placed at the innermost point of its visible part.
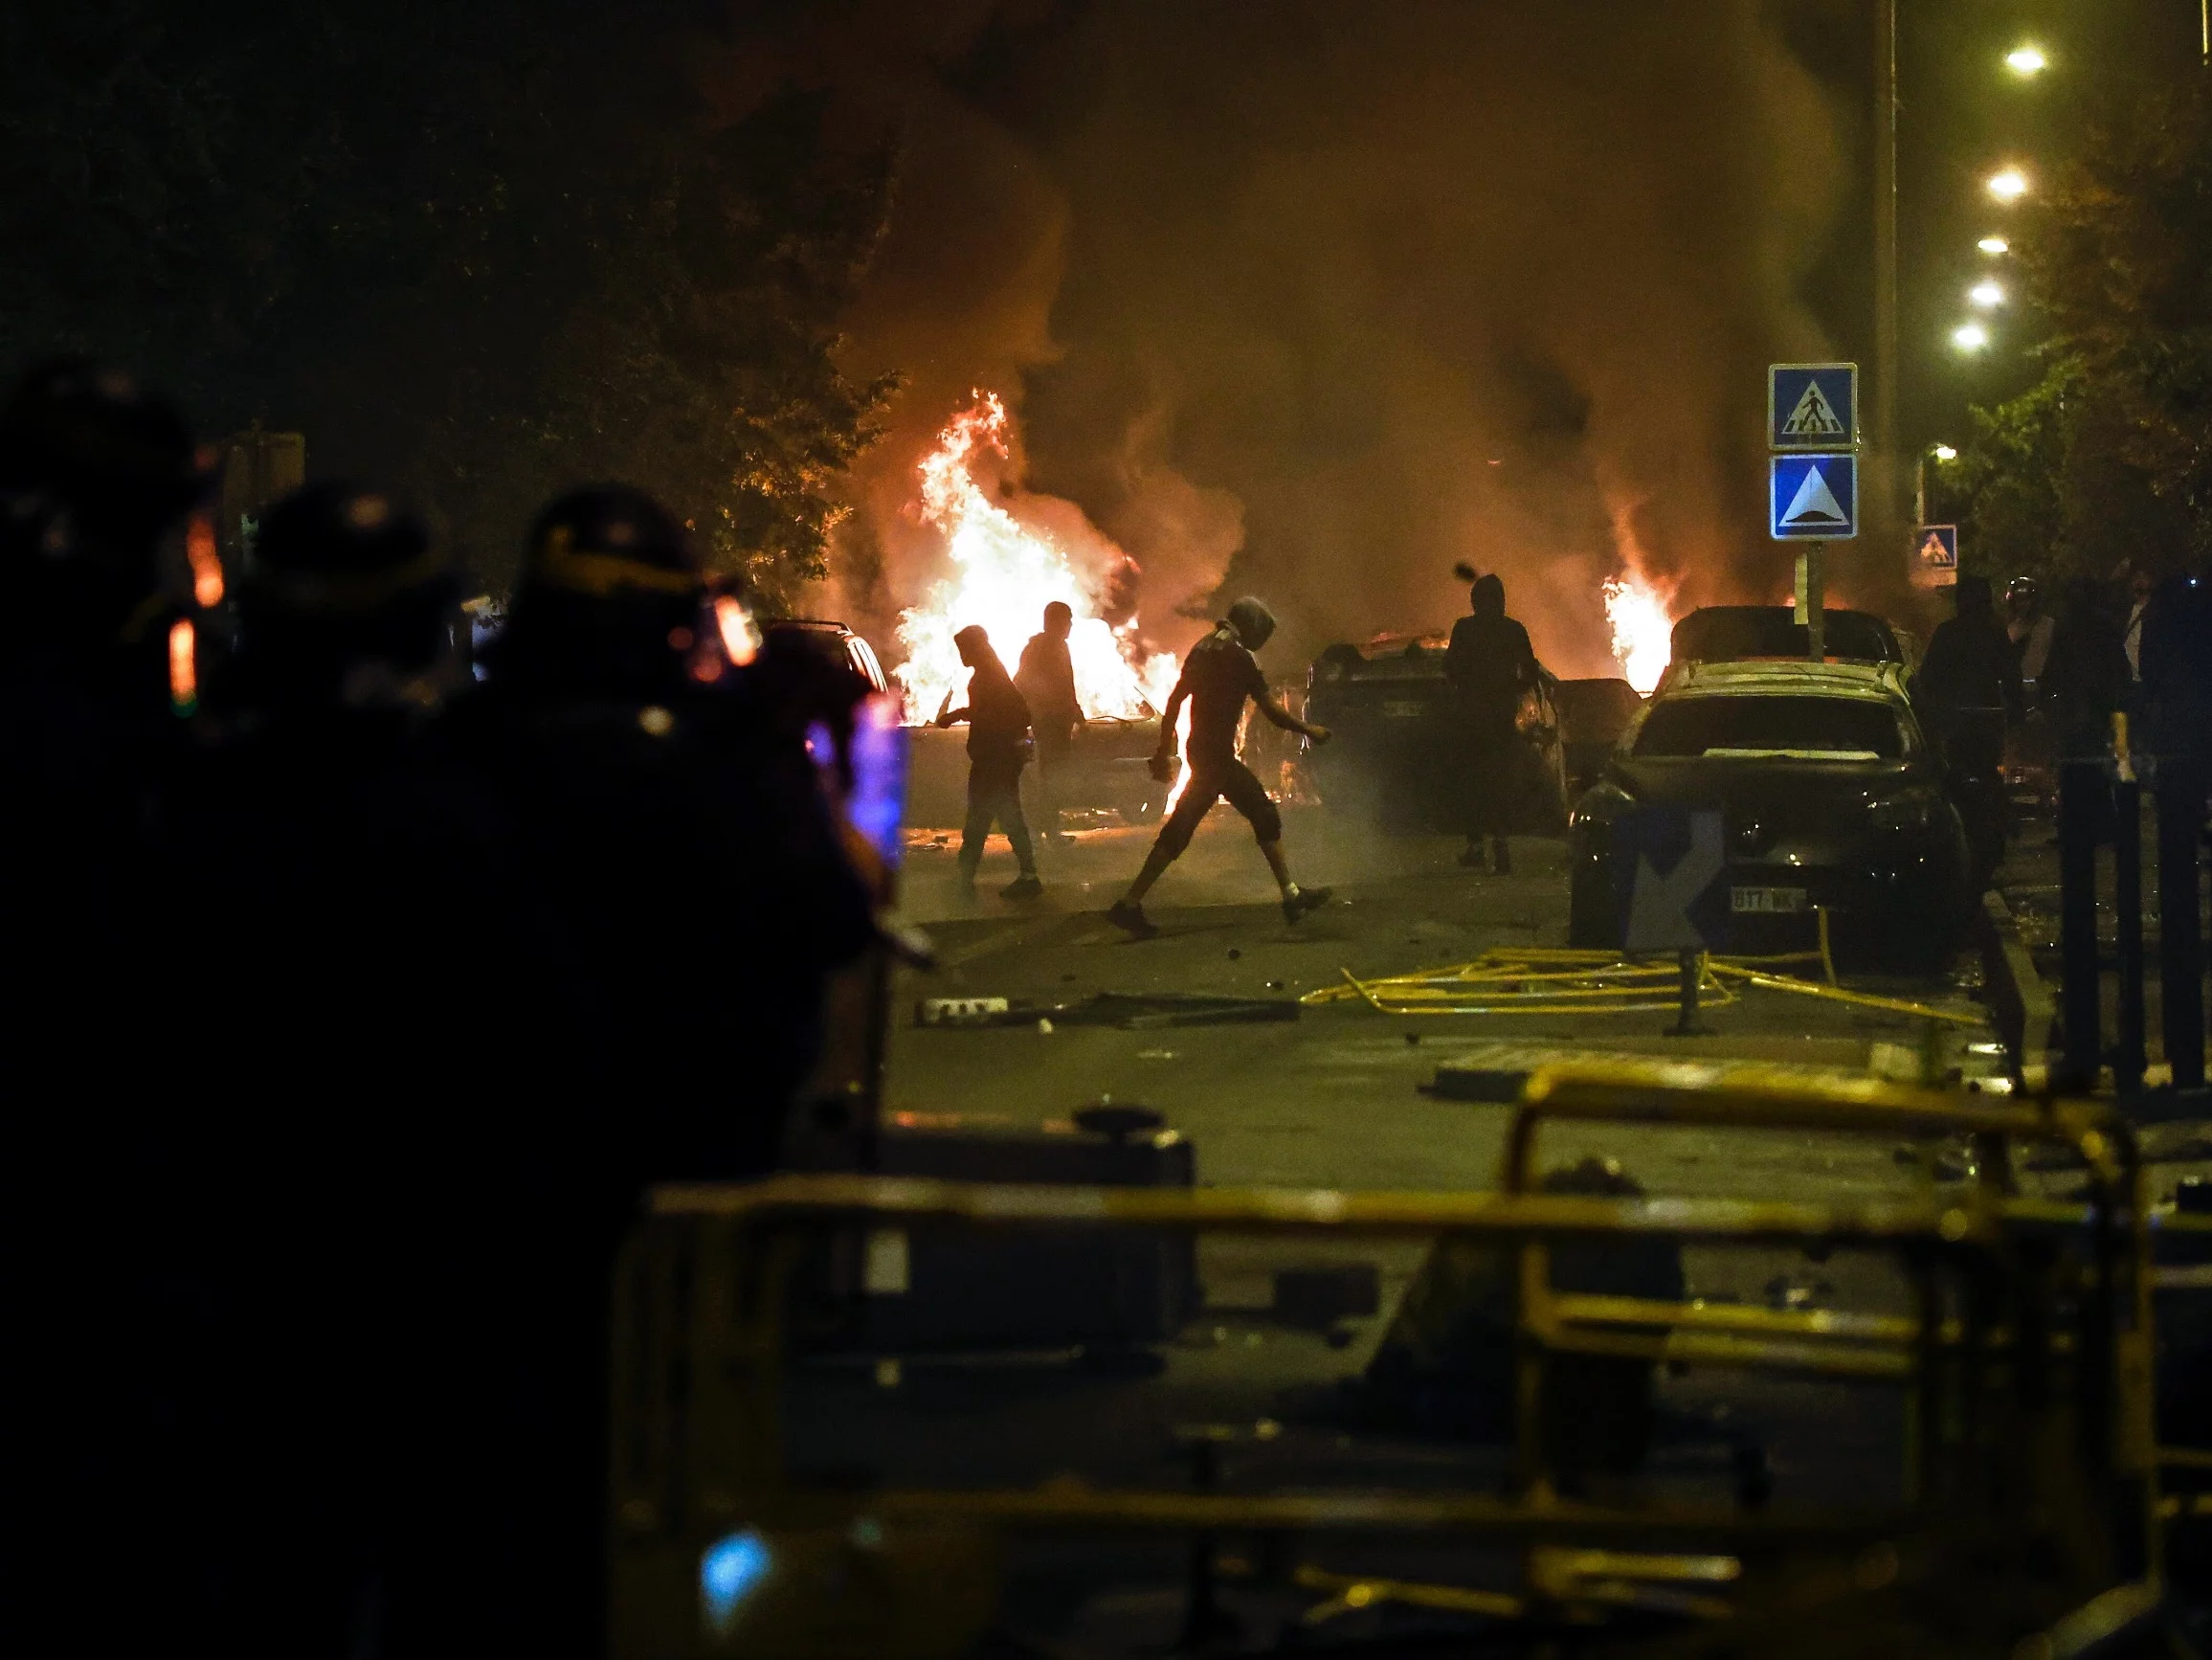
(1129, 1011)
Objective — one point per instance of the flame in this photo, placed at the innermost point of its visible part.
(1004, 575)
(206, 563)
(184, 666)
(1643, 635)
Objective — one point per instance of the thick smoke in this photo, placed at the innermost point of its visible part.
(1313, 298)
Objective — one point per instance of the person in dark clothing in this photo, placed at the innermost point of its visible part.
(1045, 678)
(115, 1372)
(1968, 688)
(2086, 679)
(1217, 677)
(368, 1175)
(1490, 667)
(998, 721)
(674, 827)
(2177, 662)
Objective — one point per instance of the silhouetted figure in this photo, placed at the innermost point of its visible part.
(1218, 676)
(998, 721)
(2177, 662)
(1045, 678)
(1490, 667)
(1968, 686)
(116, 1370)
(2086, 679)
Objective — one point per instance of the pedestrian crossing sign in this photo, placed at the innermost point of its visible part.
(1814, 497)
(1936, 555)
(1812, 406)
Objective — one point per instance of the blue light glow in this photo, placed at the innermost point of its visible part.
(730, 1569)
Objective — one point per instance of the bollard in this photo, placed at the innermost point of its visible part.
(2083, 787)
(2180, 785)
(2128, 1055)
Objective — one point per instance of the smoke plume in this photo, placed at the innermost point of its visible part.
(1311, 300)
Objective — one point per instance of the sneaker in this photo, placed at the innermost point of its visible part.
(1131, 919)
(1023, 886)
(1306, 899)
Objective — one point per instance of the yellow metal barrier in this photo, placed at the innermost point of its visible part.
(702, 1348)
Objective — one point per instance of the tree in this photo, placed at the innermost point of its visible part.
(2109, 457)
(481, 250)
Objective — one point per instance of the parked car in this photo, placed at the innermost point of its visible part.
(836, 643)
(1831, 796)
(1396, 742)
(1752, 633)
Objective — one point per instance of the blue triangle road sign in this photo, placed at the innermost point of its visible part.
(1813, 498)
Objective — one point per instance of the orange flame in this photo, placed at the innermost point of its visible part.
(184, 666)
(1643, 635)
(207, 565)
(1004, 574)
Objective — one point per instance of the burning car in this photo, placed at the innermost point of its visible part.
(1396, 736)
(1831, 797)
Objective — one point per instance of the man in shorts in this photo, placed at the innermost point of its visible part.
(1219, 673)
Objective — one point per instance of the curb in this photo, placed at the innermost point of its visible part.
(2025, 1009)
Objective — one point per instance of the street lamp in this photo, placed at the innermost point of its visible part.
(1986, 294)
(1993, 245)
(1942, 453)
(2008, 185)
(2026, 61)
(1970, 337)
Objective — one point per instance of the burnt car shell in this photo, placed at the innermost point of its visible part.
(1395, 739)
(1828, 790)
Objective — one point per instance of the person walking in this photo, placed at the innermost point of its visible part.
(1045, 678)
(1219, 676)
(997, 727)
(1490, 667)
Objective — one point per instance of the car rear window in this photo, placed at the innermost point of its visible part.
(1819, 728)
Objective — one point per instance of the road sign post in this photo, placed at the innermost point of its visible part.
(1813, 475)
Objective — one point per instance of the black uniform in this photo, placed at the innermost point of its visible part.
(1217, 677)
(1489, 666)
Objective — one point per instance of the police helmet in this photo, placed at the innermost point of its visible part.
(340, 570)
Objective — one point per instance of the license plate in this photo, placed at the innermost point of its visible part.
(1404, 711)
(1766, 901)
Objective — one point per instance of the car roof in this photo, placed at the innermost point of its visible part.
(1777, 677)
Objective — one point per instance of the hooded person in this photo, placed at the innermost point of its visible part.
(1219, 677)
(997, 718)
(1490, 667)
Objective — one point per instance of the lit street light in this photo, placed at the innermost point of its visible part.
(2009, 185)
(1944, 453)
(1986, 294)
(1993, 245)
(2026, 61)
(1970, 337)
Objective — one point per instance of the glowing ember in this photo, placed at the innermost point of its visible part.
(1004, 575)
(1642, 637)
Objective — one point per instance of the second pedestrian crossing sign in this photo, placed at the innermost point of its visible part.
(1813, 498)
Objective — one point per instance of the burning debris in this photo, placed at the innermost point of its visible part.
(1004, 573)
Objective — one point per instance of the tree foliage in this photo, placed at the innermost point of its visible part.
(2109, 456)
(479, 249)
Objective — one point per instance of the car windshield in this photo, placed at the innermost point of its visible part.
(1812, 727)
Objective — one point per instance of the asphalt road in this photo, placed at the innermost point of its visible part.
(1334, 1099)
